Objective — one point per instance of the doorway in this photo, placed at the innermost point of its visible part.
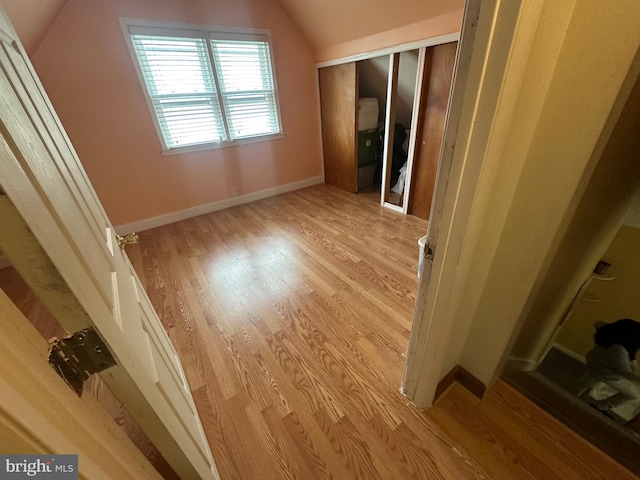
(593, 277)
(374, 79)
(608, 293)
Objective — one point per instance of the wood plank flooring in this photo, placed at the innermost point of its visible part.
(512, 438)
(291, 316)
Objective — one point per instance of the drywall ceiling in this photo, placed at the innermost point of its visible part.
(32, 19)
(324, 23)
(327, 23)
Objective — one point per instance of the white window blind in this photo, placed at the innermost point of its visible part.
(246, 82)
(207, 88)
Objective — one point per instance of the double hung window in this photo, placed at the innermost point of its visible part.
(206, 88)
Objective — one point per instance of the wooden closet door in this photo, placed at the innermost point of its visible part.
(339, 109)
(438, 75)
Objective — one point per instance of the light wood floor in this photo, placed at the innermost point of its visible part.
(291, 316)
(509, 437)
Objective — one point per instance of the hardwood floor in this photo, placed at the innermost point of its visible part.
(512, 438)
(291, 316)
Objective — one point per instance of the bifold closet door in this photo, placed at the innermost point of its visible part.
(339, 107)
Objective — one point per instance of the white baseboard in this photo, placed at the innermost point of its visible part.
(191, 212)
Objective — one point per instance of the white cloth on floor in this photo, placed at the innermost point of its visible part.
(399, 186)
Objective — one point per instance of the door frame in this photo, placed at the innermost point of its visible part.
(424, 361)
(505, 136)
(483, 95)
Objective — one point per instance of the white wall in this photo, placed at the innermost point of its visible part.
(527, 158)
(607, 200)
(578, 113)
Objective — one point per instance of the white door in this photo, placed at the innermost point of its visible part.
(60, 239)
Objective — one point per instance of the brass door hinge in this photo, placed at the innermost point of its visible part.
(128, 239)
(79, 355)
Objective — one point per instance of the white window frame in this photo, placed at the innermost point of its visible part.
(201, 31)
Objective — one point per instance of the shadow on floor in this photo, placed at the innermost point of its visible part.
(547, 387)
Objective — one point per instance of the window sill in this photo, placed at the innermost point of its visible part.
(216, 145)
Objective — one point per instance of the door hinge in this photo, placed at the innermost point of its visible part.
(129, 239)
(78, 355)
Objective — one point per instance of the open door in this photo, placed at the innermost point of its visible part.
(423, 358)
(339, 107)
(42, 416)
(57, 235)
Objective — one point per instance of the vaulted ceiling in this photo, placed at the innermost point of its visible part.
(32, 19)
(324, 23)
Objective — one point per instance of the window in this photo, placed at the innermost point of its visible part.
(206, 88)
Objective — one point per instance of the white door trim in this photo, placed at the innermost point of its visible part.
(426, 43)
(477, 86)
(521, 157)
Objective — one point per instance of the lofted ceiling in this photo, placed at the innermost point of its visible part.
(327, 23)
(324, 23)
(32, 19)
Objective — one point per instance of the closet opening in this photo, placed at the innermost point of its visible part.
(382, 125)
(386, 105)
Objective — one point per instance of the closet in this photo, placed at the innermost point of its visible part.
(397, 155)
